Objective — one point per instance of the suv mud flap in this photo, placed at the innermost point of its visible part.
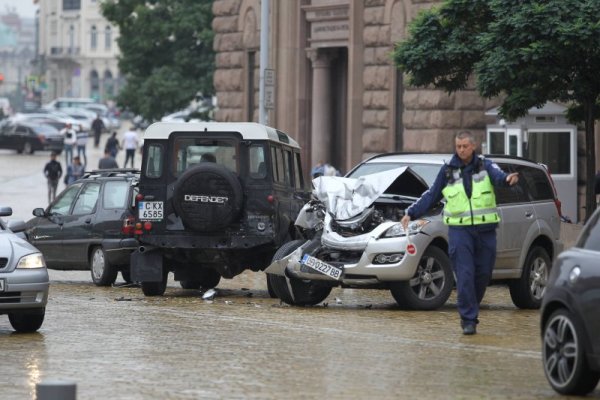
(146, 265)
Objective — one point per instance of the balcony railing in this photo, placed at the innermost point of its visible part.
(64, 51)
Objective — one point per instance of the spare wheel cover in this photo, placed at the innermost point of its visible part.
(208, 197)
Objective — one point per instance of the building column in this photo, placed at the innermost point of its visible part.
(322, 110)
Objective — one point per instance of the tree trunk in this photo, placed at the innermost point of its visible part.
(590, 159)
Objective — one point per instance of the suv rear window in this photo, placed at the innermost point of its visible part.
(191, 151)
(537, 182)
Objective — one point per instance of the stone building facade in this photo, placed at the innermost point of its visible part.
(336, 88)
(77, 50)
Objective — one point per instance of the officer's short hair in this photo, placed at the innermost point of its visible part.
(465, 135)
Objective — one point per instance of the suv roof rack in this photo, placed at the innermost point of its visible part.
(110, 172)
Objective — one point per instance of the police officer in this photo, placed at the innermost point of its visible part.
(467, 183)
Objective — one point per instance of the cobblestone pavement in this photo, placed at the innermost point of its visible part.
(117, 344)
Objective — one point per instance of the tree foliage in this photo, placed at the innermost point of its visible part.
(526, 51)
(167, 52)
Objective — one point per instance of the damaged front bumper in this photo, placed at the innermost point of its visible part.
(381, 260)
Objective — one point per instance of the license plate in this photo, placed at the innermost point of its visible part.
(322, 267)
(2, 285)
(150, 210)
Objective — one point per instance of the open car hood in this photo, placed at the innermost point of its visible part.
(345, 198)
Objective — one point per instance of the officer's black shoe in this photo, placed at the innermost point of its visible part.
(469, 328)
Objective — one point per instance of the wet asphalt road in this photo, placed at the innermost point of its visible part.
(116, 344)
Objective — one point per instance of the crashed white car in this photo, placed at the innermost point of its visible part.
(359, 241)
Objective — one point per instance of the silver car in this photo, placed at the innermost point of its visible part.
(24, 278)
(366, 246)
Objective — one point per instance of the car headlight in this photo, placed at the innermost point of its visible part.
(31, 261)
(397, 230)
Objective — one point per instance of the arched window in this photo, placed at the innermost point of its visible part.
(94, 85)
(94, 39)
(71, 39)
(109, 85)
(107, 38)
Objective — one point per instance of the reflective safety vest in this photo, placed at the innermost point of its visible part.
(479, 209)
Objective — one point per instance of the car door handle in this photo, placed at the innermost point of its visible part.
(528, 214)
(88, 220)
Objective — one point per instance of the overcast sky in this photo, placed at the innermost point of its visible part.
(25, 8)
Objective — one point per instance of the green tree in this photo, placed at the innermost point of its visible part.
(167, 53)
(525, 51)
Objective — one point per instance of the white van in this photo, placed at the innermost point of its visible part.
(69, 102)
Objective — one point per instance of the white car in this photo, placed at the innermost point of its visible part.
(361, 243)
(24, 280)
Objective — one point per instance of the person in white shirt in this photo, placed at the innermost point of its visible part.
(70, 140)
(130, 144)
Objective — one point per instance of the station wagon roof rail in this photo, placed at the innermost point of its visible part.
(248, 130)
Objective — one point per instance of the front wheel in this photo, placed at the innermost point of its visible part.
(430, 287)
(28, 148)
(527, 292)
(565, 363)
(27, 321)
(103, 274)
(292, 291)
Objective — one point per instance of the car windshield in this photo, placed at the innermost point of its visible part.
(44, 128)
(192, 151)
(426, 171)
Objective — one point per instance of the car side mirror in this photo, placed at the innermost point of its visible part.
(39, 212)
(5, 211)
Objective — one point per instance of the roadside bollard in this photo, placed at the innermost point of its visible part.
(56, 390)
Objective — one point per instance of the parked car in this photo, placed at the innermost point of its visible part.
(57, 120)
(89, 226)
(363, 244)
(29, 137)
(215, 199)
(24, 281)
(570, 316)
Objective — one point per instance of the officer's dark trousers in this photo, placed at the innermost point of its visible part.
(473, 254)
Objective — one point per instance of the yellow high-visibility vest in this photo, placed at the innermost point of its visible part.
(461, 210)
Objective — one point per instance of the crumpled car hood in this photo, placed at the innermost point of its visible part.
(345, 198)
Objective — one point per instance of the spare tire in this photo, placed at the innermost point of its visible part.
(207, 197)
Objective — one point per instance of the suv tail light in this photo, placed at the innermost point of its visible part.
(557, 202)
(128, 226)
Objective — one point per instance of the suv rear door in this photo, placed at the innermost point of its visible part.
(518, 218)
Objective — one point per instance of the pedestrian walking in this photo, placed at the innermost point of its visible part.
(130, 144)
(112, 145)
(108, 161)
(82, 139)
(53, 171)
(74, 171)
(70, 140)
(467, 183)
(97, 128)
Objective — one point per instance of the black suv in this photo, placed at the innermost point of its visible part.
(90, 225)
(215, 199)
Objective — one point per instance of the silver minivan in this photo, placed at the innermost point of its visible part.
(371, 249)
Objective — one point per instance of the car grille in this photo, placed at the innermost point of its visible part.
(3, 262)
(10, 297)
